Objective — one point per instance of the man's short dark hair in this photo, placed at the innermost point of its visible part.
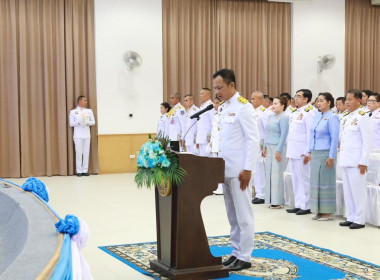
(227, 75)
(206, 88)
(306, 94)
(271, 99)
(266, 96)
(377, 96)
(357, 93)
(80, 98)
(341, 98)
(287, 96)
(368, 92)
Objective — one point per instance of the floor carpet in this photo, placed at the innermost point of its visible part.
(275, 257)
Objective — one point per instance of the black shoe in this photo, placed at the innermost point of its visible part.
(356, 226)
(345, 224)
(293, 210)
(230, 260)
(257, 200)
(79, 174)
(303, 212)
(85, 174)
(239, 265)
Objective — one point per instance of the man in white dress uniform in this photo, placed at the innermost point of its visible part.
(177, 122)
(238, 146)
(81, 118)
(258, 179)
(355, 149)
(298, 149)
(191, 125)
(205, 122)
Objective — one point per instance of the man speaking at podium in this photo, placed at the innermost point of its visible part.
(239, 147)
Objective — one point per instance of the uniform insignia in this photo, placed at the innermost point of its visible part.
(221, 103)
(354, 121)
(307, 109)
(345, 114)
(361, 106)
(242, 100)
(231, 114)
(262, 109)
(361, 113)
(300, 116)
(194, 109)
(325, 119)
(170, 112)
(310, 107)
(293, 109)
(182, 112)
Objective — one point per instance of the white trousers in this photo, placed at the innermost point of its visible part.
(259, 178)
(202, 150)
(301, 183)
(355, 194)
(82, 154)
(190, 149)
(240, 216)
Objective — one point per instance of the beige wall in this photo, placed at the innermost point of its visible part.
(115, 151)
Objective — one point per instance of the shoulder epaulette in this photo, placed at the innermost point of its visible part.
(310, 107)
(293, 109)
(347, 113)
(221, 103)
(242, 100)
(307, 109)
(362, 113)
(262, 109)
(361, 106)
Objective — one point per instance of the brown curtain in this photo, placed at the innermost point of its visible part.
(250, 36)
(51, 57)
(362, 45)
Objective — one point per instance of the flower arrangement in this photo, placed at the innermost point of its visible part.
(157, 165)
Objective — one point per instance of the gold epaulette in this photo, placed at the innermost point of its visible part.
(293, 109)
(262, 109)
(307, 109)
(362, 113)
(242, 100)
(310, 107)
(347, 113)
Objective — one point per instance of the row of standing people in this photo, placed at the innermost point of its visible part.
(308, 138)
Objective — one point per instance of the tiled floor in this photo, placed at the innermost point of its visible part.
(117, 212)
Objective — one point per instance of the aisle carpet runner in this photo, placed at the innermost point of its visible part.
(275, 257)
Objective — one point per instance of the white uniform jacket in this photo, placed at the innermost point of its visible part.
(191, 132)
(262, 119)
(238, 135)
(375, 120)
(177, 122)
(81, 119)
(300, 132)
(356, 139)
(163, 125)
(205, 124)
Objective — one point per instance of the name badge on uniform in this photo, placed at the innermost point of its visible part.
(182, 112)
(231, 114)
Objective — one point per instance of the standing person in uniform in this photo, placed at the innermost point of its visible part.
(238, 145)
(374, 107)
(289, 109)
(323, 151)
(177, 122)
(81, 119)
(298, 151)
(257, 98)
(274, 151)
(213, 145)
(355, 148)
(266, 101)
(163, 123)
(191, 125)
(366, 93)
(205, 122)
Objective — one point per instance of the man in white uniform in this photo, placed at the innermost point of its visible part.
(355, 148)
(191, 125)
(81, 119)
(258, 179)
(289, 109)
(205, 122)
(177, 122)
(298, 150)
(238, 146)
(340, 107)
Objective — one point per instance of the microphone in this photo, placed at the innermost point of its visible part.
(197, 114)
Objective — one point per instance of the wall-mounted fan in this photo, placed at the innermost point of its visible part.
(326, 62)
(132, 59)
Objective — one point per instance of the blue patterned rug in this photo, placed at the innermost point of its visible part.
(275, 257)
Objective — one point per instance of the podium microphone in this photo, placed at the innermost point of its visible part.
(197, 114)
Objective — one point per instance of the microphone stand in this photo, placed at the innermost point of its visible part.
(190, 128)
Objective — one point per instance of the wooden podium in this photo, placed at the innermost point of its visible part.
(182, 246)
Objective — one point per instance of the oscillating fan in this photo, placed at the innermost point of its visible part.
(326, 62)
(132, 59)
